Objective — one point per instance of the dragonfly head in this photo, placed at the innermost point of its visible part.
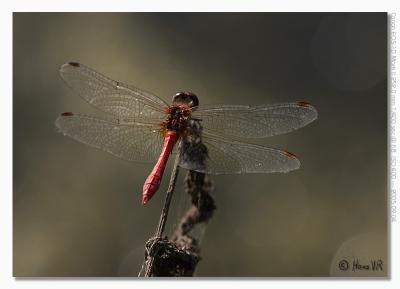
(186, 97)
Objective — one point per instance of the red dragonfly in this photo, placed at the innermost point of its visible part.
(142, 127)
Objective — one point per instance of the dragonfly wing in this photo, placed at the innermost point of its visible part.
(110, 96)
(233, 157)
(255, 121)
(130, 141)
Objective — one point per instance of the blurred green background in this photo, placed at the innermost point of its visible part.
(77, 210)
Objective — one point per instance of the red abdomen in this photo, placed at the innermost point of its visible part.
(153, 181)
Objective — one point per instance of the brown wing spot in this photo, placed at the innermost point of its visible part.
(74, 64)
(68, 113)
(290, 155)
(303, 103)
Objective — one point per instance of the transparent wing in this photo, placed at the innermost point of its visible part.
(110, 96)
(130, 141)
(233, 157)
(255, 121)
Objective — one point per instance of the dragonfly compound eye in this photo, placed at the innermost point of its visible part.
(186, 97)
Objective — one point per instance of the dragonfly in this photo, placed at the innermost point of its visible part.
(141, 127)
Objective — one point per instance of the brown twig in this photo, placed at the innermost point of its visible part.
(168, 197)
(198, 186)
(179, 257)
(164, 214)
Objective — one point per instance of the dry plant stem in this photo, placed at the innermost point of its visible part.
(179, 257)
(164, 212)
(168, 197)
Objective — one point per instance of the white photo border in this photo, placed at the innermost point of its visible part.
(8, 7)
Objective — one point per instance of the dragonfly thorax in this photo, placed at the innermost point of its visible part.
(177, 118)
(178, 114)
